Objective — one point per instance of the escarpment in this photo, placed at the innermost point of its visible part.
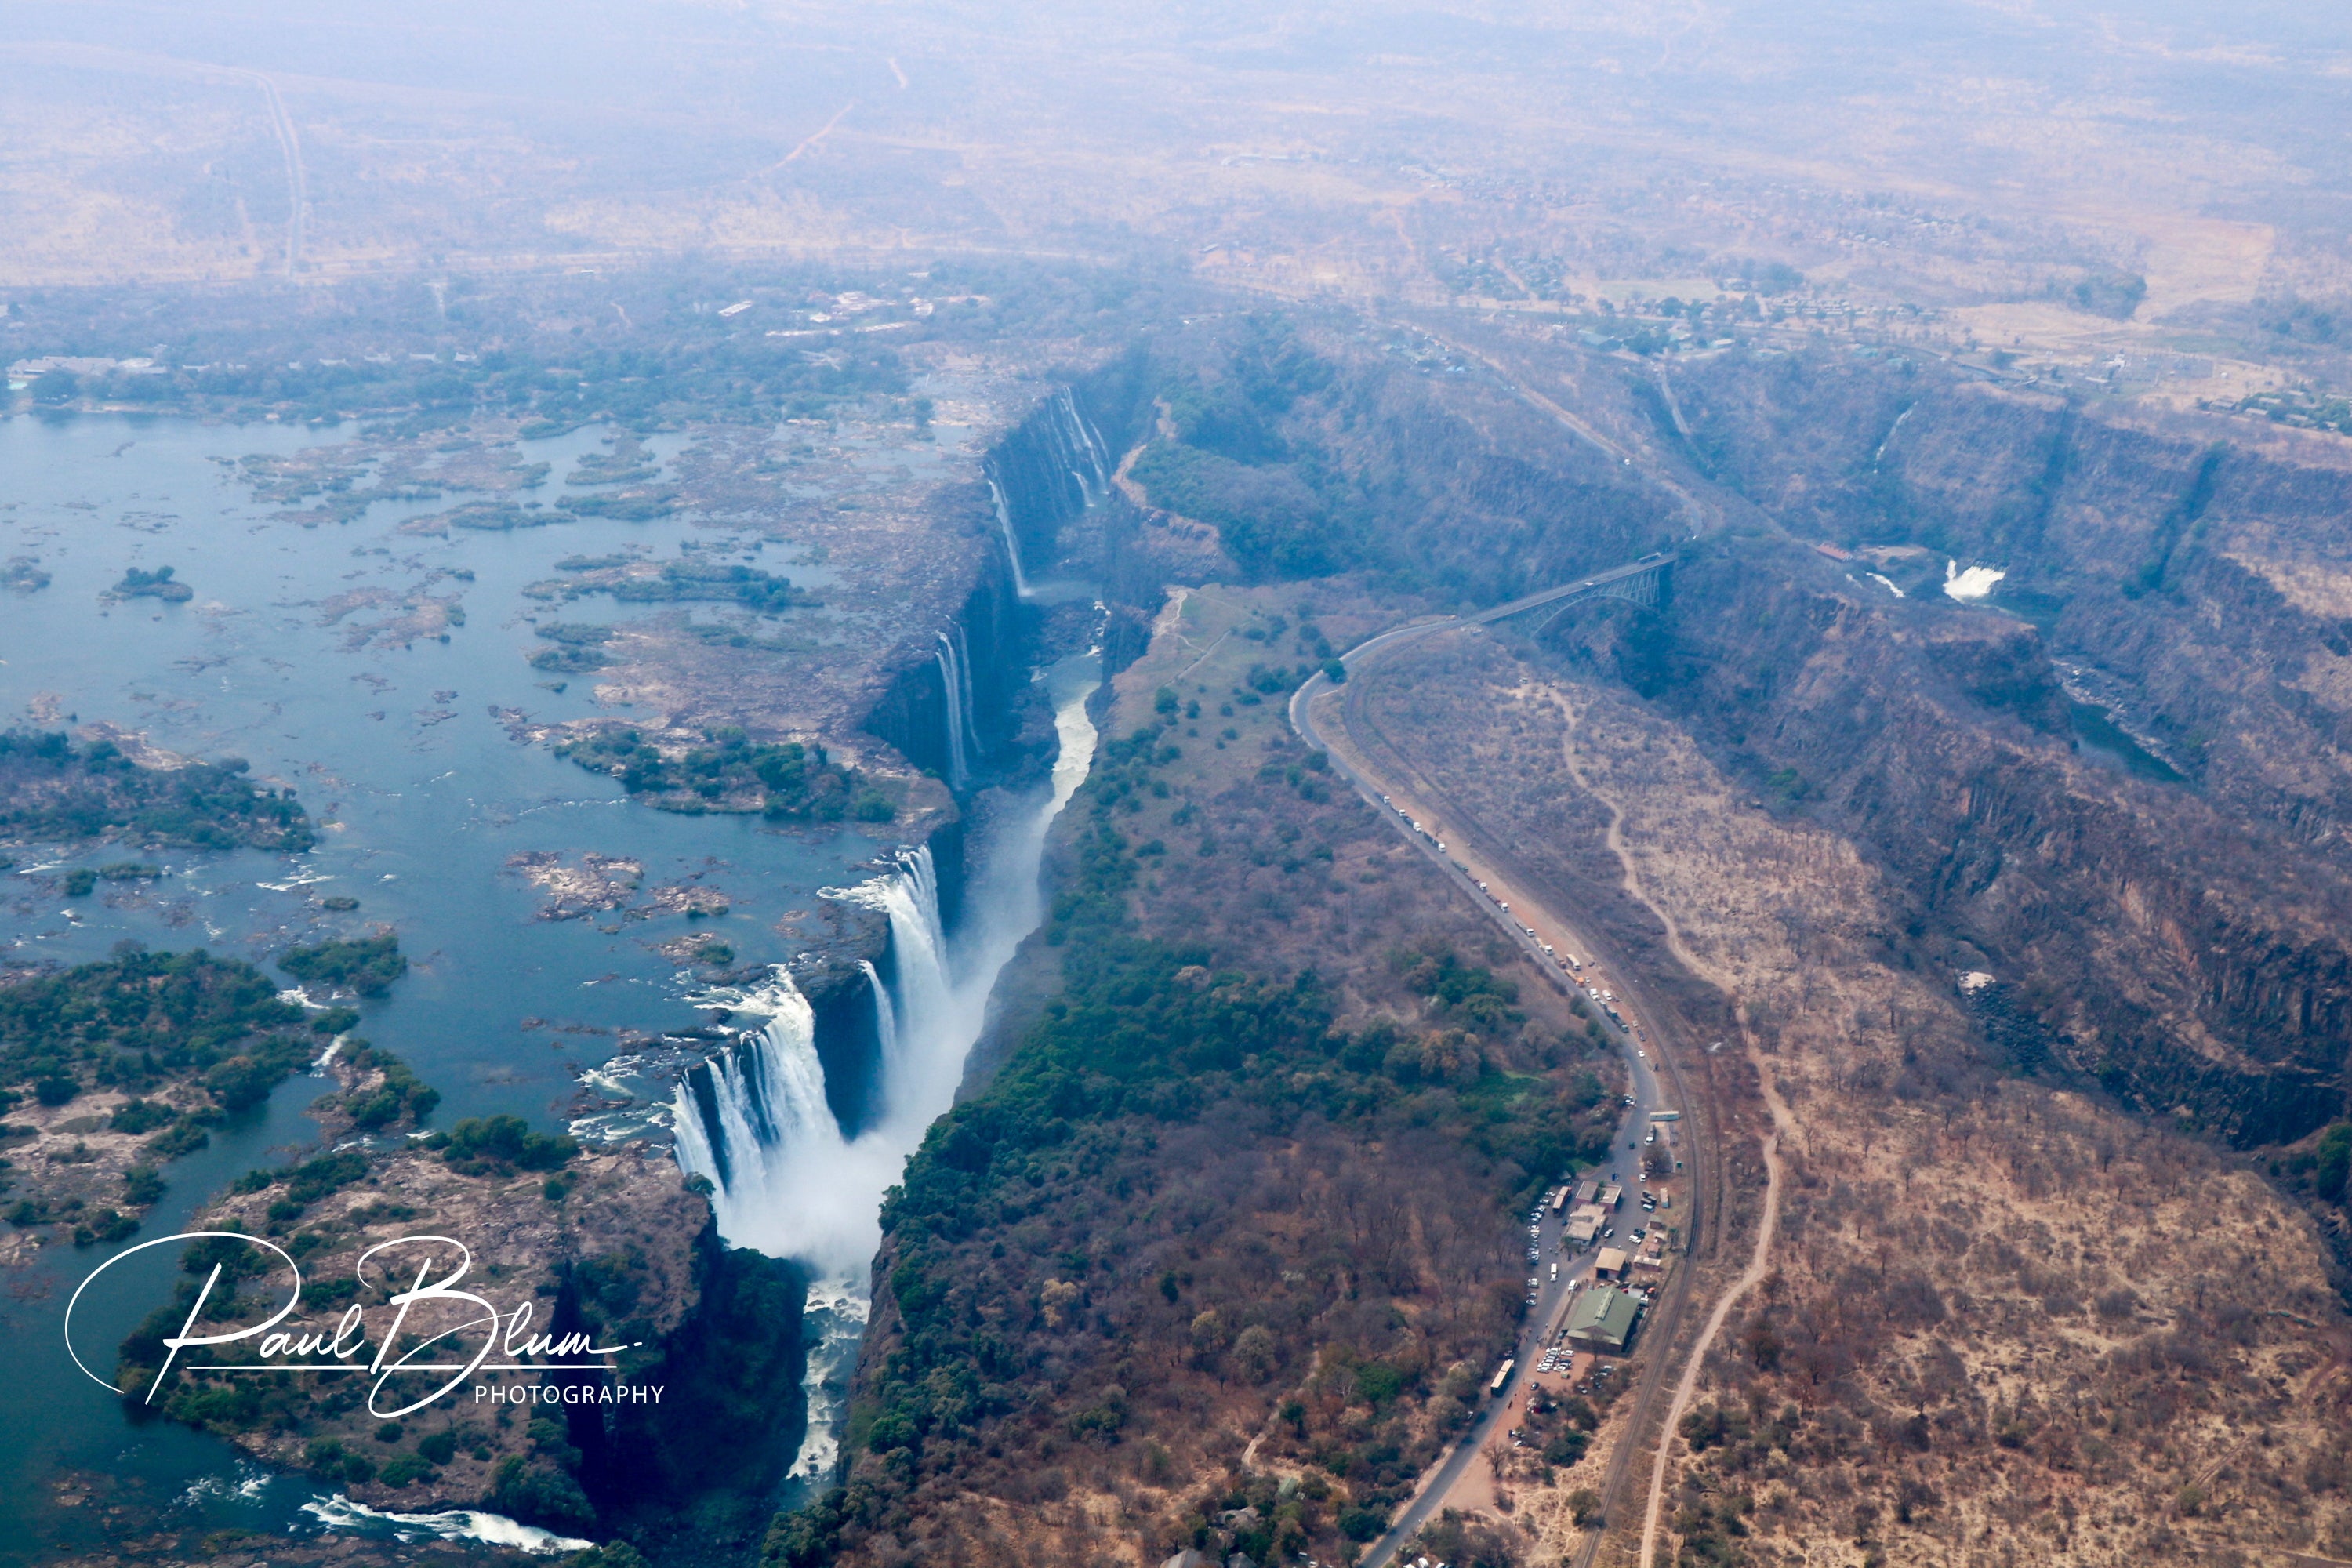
(2179, 941)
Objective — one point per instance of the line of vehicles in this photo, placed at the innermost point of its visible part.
(1410, 821)
(1567, 962)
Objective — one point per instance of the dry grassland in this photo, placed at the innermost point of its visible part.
(2002, 1322)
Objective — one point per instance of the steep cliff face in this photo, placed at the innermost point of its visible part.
(2200, 576)
(2189, 958)
(976, 676)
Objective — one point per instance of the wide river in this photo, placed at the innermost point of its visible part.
(424, 800)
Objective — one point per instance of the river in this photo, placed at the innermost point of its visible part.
(397, 748)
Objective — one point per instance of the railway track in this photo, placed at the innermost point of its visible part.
(1669, 1035)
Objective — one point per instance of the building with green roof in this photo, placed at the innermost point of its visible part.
(1603, 1319)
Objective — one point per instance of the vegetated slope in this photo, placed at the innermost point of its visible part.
(52, 790)
(1994, 1323)
(1220, 1254)
(1314, 450)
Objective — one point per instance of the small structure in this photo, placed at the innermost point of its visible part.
(1610, 1264)
(1586, 1190)
(1581, 1231)
(1604, 1320)
(1612, 1195)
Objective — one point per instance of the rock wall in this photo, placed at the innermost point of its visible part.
(2155, 940)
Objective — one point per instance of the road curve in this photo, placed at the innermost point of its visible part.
(1665, 1318)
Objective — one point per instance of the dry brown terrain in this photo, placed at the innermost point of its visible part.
(1981, 1334)
(1957, 188)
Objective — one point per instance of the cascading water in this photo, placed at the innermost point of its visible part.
(1073, 440)
(1011, 544)
(886, 1017)
(784, 1180)
(964, 666)
(952, 683)
(757, 1126)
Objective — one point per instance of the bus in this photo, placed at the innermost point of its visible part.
(1502, 1378)
(1559, 1201)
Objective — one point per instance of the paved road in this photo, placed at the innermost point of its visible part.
(1649, 1094)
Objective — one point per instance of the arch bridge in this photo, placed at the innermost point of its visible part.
(1637, 581)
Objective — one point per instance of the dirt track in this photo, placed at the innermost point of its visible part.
(1354, 756)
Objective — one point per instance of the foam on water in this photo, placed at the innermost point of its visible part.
(340, 1512)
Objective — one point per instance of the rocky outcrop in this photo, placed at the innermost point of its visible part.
(608, 1243)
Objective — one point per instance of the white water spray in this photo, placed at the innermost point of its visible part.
(784, 1180)
(886, 1017)
(1011, 544)
(767, 1141)
(952, 684)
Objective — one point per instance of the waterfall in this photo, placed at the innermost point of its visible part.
(1067, 406)
(886, 1019)
(924, 1015)
(784, 1180)
(1012, 544)
(754, 1122)
(1077, 449)
(972, 748)
(951, 685)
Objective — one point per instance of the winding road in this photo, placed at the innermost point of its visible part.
(1694, 1140)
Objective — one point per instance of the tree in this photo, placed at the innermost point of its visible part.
(2335, 1162)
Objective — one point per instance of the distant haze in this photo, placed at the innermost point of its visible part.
(1333, 149)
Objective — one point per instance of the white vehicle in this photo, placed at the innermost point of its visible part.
(1555, 1270)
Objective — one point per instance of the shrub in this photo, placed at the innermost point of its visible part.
(135, 1116)
(368, 965)
(480, 1144)
(406, 1471)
